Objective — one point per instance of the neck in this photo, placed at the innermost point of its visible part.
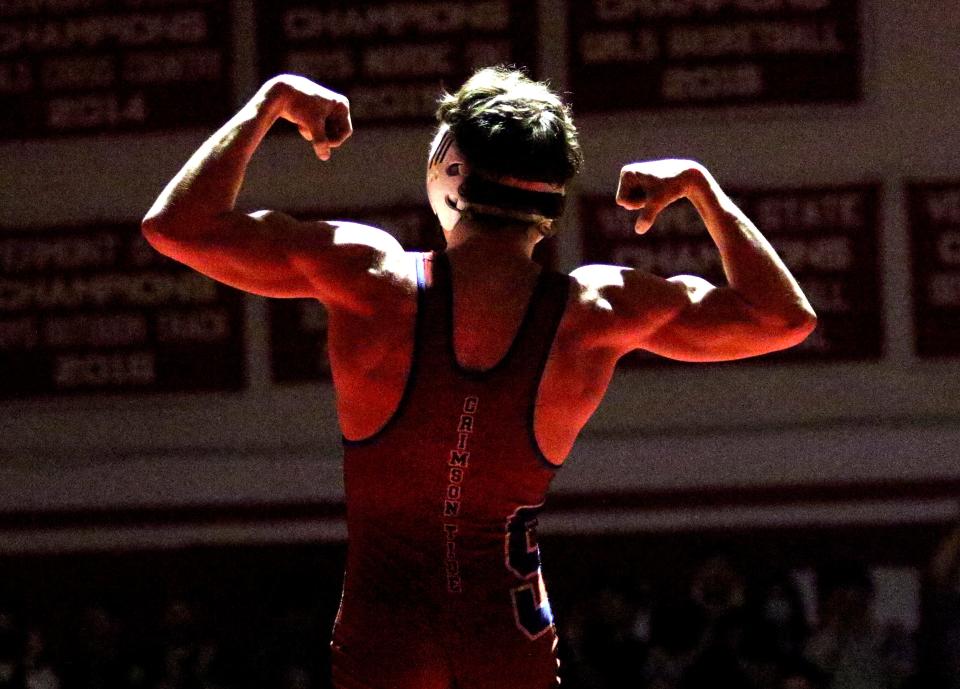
(493, 245)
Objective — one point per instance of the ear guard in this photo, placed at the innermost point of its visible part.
(453, 188)
(446, 172)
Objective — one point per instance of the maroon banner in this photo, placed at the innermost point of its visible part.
(298, 327)
(69, 67)
(391, 58)
(935, 240)
(96, 309)
(827, 237)
(628, 54)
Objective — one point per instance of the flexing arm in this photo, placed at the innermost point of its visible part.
(761, 309)
(268, 253)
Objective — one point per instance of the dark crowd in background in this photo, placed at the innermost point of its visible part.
(719, 628)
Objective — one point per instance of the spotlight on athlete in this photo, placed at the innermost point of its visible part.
(464, 376)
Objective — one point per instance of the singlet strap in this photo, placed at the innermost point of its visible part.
(531, 342)
(533, 348)
(444, 284)
(434, 286)
(534, 351)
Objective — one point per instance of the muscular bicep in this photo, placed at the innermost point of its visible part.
(274, 255)
(684, 317)
(716, 324)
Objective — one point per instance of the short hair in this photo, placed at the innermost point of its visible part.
(508, 125)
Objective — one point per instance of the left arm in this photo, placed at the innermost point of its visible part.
(760, 310)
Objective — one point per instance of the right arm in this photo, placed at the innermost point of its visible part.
(761, 309)
(194, 220)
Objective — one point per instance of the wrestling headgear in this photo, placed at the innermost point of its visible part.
(453, 187)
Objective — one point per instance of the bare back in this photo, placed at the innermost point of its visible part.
(371, 355)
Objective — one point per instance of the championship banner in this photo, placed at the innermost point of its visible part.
(391, 59)
(935, 239)
(97, 309)
(627, 54)
(298, 327)
(827, 236)
(94, 66)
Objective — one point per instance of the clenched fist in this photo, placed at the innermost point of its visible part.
(651, 186)
(321, 115)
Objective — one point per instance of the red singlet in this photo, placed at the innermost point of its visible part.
(443, 588)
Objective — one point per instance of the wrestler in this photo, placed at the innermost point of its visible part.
(463, 377)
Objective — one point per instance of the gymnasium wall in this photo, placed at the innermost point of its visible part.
(863, 435)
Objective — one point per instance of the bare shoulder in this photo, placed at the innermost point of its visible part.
(383, 258)
(351, 264)
(344, 241)
(608, 290)
(617, 306)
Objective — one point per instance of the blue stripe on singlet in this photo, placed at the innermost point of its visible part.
(421, 274)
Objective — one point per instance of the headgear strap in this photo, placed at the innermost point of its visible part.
(453, 187)
(511, 199)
